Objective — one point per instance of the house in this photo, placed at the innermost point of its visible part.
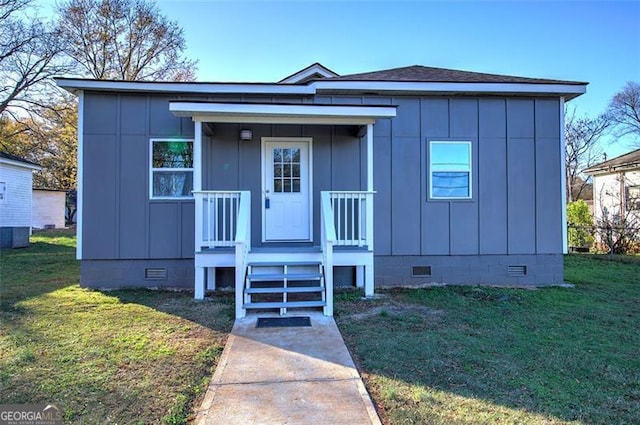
(616, 192)
(406, 176)
(16, 180)
(48, 209)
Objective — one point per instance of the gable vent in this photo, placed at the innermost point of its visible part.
(515, 271)
(420, 271)
(155, 273)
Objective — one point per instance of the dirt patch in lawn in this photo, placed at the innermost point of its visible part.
(393, 308)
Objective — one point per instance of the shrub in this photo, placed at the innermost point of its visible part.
(580, 222)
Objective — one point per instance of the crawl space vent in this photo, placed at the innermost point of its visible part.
(515, 271)
(155, 273)
(420, 271)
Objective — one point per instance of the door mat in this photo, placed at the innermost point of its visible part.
(283, 322)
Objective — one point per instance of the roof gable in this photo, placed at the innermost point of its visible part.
(314, 71)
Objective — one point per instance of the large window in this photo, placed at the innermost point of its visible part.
(171, 168)
(450, 170)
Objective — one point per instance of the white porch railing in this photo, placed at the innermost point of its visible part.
(347, 220)
(216, 217)
(353, 218)
(223, 219)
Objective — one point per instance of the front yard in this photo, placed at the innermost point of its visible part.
(446, 355)
(478, 355)
(103, 357)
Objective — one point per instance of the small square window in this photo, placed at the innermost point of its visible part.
(450, 170)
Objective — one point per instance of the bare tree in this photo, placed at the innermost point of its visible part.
(624, 111)
(124, 40)
(29, 53)
(581, 149)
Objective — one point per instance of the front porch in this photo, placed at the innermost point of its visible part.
(303, 204)
(279, 274)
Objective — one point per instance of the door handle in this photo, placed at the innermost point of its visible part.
(266, 203)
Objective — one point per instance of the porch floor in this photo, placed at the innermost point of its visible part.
(301, 375)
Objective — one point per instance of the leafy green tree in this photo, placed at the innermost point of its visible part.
(580, 220)
(48, 138)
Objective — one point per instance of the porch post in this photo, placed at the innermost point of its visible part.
(197, 157)
(370, 157)
(368, 268)
(199, 284)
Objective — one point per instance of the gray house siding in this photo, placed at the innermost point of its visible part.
(236, 165)
(512, 218)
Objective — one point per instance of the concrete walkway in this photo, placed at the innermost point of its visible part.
(301, 375)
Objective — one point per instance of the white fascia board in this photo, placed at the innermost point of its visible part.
(20, 164)
(274, 113)
(202, 88)
(426, 87)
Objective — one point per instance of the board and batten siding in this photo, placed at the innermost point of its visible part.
(516, 195)
(236, 165)
(516, 181)
(15, 210)
(121, 222)
(119, 219)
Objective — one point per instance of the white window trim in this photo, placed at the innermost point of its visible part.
(470, 170)
(152, 169)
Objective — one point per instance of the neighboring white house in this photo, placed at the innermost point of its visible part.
(48, 208)
(616, 190)
(16, 180)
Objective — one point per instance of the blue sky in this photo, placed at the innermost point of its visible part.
(593, 41)
(597, 42)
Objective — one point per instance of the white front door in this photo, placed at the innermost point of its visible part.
(286, 196)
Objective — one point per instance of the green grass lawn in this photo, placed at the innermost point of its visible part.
(445, 355)
(479, 355)
(118, 357)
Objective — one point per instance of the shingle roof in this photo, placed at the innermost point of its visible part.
(627, 161)
(419, 73)
(11, 157)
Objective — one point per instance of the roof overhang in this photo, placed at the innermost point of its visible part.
(74, 85)
(612, 169)
(20, 164)
(569, 91)
(270, 113)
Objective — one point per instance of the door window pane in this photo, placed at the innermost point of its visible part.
(286, 170)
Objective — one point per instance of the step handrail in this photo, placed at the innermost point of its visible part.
(242, 247)
(328, 238)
